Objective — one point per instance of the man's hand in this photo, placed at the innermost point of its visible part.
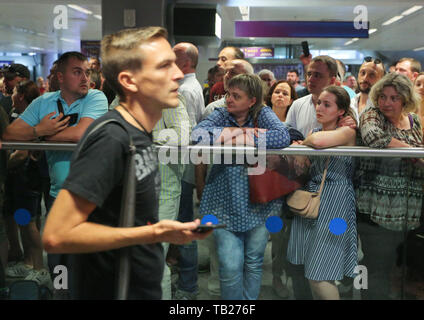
(347, 122)
(177, 232)
(305, 60)
(49, 126)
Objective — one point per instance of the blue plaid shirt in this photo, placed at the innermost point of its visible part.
(226, 194)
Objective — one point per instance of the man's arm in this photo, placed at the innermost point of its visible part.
(22, 131)
(68, 231)
(72, 134)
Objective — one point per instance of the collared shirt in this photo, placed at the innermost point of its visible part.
(226, 193)
(93, 105)
(354, 104)
(192, 91)
(172, 129)
(302, 115)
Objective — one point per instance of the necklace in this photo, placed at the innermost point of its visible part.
(134, 118)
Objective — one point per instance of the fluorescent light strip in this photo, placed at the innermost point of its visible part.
(67, 40)
(372, 31)
(36, 48)
(218, 25)
(390, 21)
(411, 10)
(351, 41)
(80, 9)
(97, 16)
(244, 10)
(418, 49)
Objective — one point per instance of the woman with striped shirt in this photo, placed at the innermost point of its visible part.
(326, 246)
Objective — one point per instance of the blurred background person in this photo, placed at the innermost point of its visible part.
(350, 81)
(23, 188)
(41, 85)
(419, 88)
(267, 76)
(280, 97)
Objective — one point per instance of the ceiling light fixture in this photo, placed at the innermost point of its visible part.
(390, 21)
(351, 41)
(80, 9)
(372, 31)
(411, 10)
(97, 16)
(67, 40)
(418, 49)
(245, 12)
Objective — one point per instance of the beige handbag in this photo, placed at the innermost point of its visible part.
(304, 203)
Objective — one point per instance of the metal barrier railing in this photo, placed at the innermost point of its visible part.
(220, 150)
(294, 150)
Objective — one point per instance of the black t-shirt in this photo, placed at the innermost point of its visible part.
(97, 174)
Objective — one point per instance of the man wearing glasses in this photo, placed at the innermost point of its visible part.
(370, 72)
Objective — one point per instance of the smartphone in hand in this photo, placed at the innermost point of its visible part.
(207, 227)
(305, 47)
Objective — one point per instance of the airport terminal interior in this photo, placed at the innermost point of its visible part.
(364, 59)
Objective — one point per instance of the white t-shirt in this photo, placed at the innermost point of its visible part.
(302, 115)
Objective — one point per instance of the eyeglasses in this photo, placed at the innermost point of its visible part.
(370, 59)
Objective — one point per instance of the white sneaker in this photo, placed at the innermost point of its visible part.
(18, 270)
(42, 277)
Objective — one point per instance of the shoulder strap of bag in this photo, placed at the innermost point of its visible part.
(60, 107)
(411, 121)
(127, 213)
(324, 176)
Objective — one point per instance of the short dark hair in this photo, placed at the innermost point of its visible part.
(293, 93)
(330, 62)
(293, 70)
(62, 62)
(28, 89)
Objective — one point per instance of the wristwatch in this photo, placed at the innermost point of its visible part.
(34, 131)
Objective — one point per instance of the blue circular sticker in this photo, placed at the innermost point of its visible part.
(22, 217)
(209, 218)
(337, 226)
(274, 224)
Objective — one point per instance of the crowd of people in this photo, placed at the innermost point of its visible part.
(121, 103)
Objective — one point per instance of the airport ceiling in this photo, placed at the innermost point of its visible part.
(28, 26)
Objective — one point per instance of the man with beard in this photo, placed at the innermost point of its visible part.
(370, 72)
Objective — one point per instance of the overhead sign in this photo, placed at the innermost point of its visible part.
(299, 29)
(258, 52)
